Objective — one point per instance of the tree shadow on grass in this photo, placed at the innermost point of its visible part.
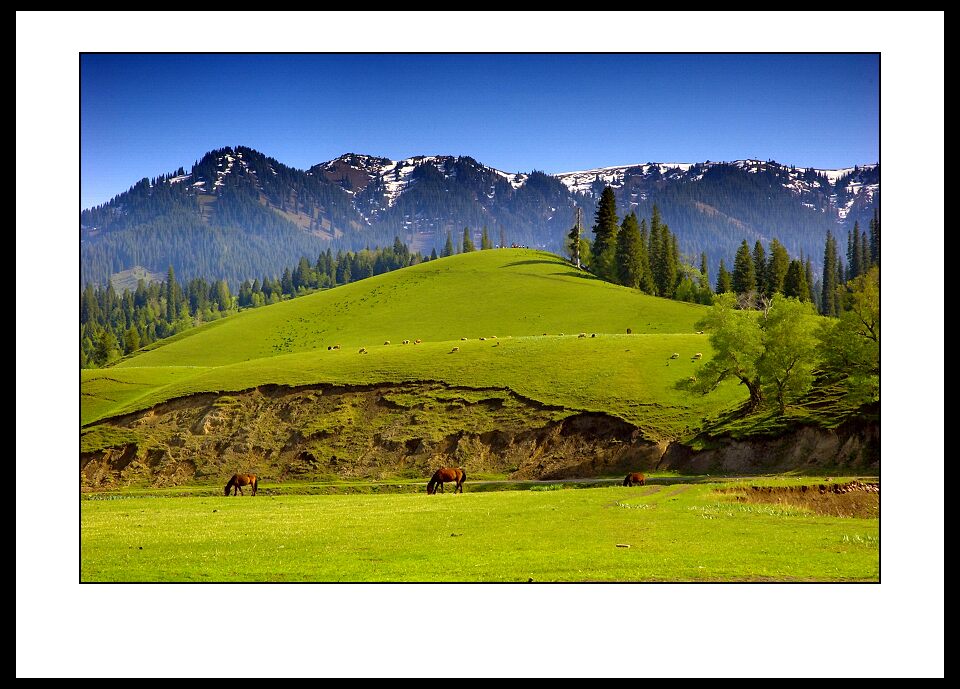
(579, 274)
(532, 262)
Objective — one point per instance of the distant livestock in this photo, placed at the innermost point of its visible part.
(483, 339)
(635, 479)
(698, 355)
(593, 334)
(387, 342)
(463, 339)
(336, 346)
(560, 334)
(582, 335)
(417, 341)
(675, 355)
(629, 331)
(455, 349)
(699, 332)
(363, 350)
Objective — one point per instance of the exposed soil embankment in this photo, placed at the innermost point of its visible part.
(851, 499)
(328, 432)
(854, 446)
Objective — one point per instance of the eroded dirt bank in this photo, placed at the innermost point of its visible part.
(326, 432)
(329, 432)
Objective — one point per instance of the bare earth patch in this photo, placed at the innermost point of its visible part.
(853, 499)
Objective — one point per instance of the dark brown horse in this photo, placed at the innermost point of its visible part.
(441, 476)
(238, 480)
(635, 479)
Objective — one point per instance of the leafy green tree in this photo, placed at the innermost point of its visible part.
(724, 283)
(789, 349)
(629, 260)
(773, 354)
(605, 236)
(743, 279)
(850, 346)
(737, 347)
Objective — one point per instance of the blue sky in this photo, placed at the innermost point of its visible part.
(144, 115)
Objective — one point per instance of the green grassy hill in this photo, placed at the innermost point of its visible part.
(515, 295)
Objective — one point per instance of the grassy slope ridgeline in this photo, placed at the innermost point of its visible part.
(513, 294)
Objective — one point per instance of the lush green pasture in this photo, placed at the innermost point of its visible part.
(682, 532)
(503, 292)
(631, 376)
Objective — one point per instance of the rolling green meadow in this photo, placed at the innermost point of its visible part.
(530, 308)
(513, 295)
(675, 532)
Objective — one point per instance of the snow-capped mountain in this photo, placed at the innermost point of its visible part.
(239, 212)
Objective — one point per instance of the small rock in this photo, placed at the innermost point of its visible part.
(214, 510)
(530, 580)
(623, 545)
(140, 547)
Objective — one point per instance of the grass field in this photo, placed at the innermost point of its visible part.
(515, 295)
(676, 532)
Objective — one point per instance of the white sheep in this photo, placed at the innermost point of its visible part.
(675, 355)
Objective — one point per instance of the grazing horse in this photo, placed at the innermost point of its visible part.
(441, 476)
(635, 479)
(238, 480)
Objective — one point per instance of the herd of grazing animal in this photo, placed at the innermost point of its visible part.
(455, 475)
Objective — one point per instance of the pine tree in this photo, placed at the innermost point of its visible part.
(131, 339)
(704, 271)
(808, 274)
(433, 254)
(760, 267)
(485, 239)
(647, 283)
(743, 279)
(605, 233)
(171, 296)
(574, 240)
(286, 282)
(448, 247)
(864, 253)
(467, 242)
(628, 253)
(875, 238)
(724, 284)
(857, 266)
(795, 283)
(777, 267)
(828, 305)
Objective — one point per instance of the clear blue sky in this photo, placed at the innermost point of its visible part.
(143, 115)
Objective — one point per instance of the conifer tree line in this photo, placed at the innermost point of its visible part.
(645, 257)
(641, 255)
(113, 325)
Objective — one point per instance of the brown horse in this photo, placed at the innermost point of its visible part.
(441, 476)
(635, 479)
(238, 480)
